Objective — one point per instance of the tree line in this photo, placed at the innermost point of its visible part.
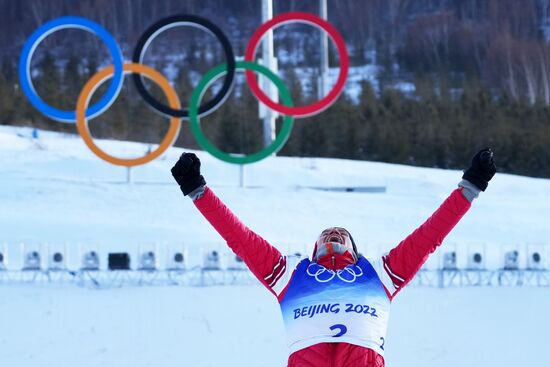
(433, 127)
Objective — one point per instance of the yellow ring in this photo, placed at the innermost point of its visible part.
(99, 78)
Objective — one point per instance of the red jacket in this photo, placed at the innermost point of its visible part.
(269, 266)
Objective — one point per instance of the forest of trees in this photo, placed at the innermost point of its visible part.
(481, 71)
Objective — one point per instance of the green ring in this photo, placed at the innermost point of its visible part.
(203, 141)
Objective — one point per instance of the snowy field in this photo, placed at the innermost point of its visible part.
(241, 326)
(56, 193)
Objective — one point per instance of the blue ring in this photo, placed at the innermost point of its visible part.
(45, 30)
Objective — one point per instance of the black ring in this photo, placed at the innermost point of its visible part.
(192, 20)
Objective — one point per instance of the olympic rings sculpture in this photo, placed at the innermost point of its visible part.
(323, 275)
(174, 110)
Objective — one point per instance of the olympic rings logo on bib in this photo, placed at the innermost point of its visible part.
(323, 275)
(174, 110)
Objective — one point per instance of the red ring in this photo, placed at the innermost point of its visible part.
(313, 108)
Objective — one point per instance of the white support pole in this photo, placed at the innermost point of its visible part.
(269, 61)
(323, 67)
(128, 174)
(241, 176)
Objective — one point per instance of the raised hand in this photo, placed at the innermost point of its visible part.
(482, 169)
(187, 173)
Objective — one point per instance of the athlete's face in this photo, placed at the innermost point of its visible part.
(335, 234)
(334, 240)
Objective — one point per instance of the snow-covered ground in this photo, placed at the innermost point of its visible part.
(241, 326)
(57, 193)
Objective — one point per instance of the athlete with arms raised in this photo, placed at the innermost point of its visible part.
(335, 305)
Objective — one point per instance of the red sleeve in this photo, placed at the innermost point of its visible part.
(404, 261)
(264, 260)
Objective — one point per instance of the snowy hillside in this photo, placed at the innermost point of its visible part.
(55, 191)
(60, 191)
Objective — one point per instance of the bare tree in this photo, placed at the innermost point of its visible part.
(512, 85)
(530, 79)
(544, 77)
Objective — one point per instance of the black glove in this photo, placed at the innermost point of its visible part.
(481, 171)
(187, 173)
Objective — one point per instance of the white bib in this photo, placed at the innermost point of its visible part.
(325, 306)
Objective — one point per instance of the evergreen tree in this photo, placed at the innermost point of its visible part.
(48, 85)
